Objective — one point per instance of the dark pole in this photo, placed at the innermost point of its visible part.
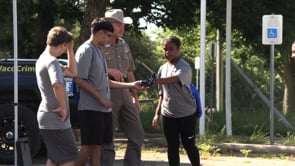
(212, 53)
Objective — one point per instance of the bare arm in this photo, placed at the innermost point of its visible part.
(89, 89)
(71, 69)
(168, 80)
(58, 89)
(122, 85)
(133, 92)
(156, 119)
(115, 74)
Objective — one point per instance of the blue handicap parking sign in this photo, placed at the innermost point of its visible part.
(272, 33)
(272, 29)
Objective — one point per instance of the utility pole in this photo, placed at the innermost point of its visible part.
(219, 75)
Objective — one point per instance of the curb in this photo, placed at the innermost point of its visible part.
(256, 148)
(224, 147)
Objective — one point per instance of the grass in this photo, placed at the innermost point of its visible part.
(155, 148)
(249, 127)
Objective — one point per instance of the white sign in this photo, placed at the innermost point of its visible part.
(272, 29)
(197, 63)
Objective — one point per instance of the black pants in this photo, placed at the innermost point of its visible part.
(185, 128)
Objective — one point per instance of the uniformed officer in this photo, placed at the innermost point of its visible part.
(126, 106)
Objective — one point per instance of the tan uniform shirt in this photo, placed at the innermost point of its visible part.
(118, 56)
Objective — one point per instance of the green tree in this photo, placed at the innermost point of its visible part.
(35, 18)
(172, 13)
(94, 8)
(247, 19)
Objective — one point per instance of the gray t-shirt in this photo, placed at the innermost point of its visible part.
(48, 72)
(93, 68)
(177, 99)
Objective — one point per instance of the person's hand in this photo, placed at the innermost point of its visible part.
(70, 45)
(138, 85)
(156, 122)
(150, 81)
(107, 103)
(62, 112)
(116, 74)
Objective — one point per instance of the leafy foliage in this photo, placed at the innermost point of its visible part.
(35, 18)
(180, 18)
(163, 13)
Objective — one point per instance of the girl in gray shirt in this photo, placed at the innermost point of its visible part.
(176, 105)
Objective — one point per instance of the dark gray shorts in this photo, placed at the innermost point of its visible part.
(61, 145)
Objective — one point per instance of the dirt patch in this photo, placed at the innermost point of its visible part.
(155, 154)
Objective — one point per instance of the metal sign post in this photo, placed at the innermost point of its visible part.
(197, 67)
(202, 65)
(271, 113)
(228, 109)
(15, 79)
(272, 28)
